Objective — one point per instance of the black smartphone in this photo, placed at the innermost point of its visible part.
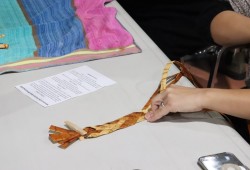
(221, 161)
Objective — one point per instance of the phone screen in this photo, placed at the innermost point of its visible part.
(220, 160)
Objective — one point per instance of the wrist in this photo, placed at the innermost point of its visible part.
(205, 98)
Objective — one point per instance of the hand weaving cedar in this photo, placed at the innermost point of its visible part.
(66, 137)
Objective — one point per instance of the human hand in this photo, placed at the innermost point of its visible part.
(175, 99)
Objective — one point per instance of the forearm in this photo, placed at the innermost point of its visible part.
(235, 102)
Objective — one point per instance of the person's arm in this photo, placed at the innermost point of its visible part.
(229, 28)
(234, 102)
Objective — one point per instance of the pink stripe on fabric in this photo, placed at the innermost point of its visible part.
(102, 29)
(68, 60)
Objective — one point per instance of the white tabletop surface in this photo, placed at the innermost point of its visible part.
(176, 142)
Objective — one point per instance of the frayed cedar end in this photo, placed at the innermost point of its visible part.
(63, 136)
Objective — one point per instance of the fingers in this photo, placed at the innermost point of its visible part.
(158, 109)
(153, 116)
(176, 99)
(157, 100)
(157, 114)
(155, 105)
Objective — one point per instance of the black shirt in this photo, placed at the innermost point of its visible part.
(178, 27)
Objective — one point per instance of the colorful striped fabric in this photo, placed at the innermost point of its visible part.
(45, 33)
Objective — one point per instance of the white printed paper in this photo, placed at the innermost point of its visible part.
(64, 86)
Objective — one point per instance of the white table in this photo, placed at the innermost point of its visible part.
(174, 143)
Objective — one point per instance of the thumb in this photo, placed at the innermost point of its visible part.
(159, 113)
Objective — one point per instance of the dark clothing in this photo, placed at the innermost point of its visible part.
(178, 27)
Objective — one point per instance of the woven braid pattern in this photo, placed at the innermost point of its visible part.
(66, 137)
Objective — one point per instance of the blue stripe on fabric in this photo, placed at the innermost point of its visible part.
(17, 31)
(58, 29)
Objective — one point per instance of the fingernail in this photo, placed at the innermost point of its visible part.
(148, 115)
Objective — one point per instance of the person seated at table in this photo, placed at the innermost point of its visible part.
(234, 102)
(183, 27)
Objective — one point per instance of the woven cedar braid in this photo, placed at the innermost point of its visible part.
(66, 137)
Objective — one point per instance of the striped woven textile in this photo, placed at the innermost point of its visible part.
(45, 33)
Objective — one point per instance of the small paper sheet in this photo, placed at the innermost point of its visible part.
(61, 87)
